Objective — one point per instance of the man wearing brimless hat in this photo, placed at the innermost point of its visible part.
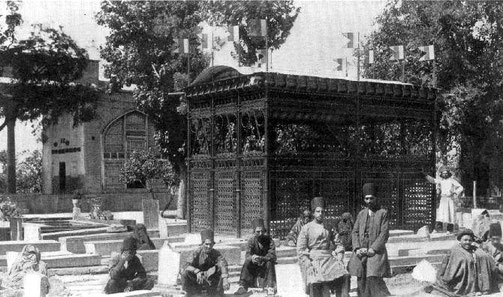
(320, 258)
(369, 261)
(206, 269)
(258, 269)
(126, 271)
(494, 247)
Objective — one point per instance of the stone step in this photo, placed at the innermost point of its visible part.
(64, 260)
(395, 233)
(415, 238)
(106, 247)
(17, 246)
(75, 243)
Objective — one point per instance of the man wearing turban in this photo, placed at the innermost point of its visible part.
(258, 269)
(205, 270)
(369, 261)
(126, 271)
(320, 259)
(449, 190)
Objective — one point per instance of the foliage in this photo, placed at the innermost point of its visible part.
(8, 209)
(28, 173)
(279, 15)
(467, 36)
(145, 167)
(43, 66)
(141, 51)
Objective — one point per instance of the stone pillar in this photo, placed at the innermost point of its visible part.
(16, 228)
(76, 209)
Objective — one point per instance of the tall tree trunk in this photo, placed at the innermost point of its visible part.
(11, 155)
(182, 199)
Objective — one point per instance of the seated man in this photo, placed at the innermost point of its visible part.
(494, 247)
(344, 230)
(126, 271)
(320, 259)
(291, 238)
(467, 269)
(142, 239)
(206, 269)
(259, 263)
(27, 261)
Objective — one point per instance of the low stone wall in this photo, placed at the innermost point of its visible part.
(127, 201)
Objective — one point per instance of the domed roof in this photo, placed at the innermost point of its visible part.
(215, 73)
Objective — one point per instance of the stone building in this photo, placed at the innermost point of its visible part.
(89, 156)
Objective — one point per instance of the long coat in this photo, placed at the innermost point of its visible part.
(378, 265)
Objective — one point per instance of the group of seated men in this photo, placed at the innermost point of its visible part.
(468, 268)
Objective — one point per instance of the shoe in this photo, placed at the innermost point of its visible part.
(270, 291)
(241, 291)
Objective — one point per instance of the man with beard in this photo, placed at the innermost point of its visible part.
(206, 269)
(258, 269)
(291, 238)
(320, 259)
(369, 261)
(449, 190)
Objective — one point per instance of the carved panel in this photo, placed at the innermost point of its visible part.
(252, 205)
(225, 202)
(199, 190)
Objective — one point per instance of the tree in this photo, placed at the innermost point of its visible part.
(43, 68)
(468, 37)
(145, 167)
(28, 173)
(141, 50)
(279, 15)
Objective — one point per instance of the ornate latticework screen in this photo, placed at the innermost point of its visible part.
(263, 145)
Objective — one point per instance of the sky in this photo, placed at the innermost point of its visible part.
(315, 40)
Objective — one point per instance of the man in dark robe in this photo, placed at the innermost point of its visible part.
(344, 230)
(258, 269)
(142, 238)
(291, 238)
(369, 261)
(467, 269)
(206, 269)
(320, 259)
(494, 248)
(126, 271)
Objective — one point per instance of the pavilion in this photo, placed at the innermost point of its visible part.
(264, 144)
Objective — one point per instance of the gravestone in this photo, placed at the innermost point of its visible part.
(16, 228)
(150, 209)
(169, 266)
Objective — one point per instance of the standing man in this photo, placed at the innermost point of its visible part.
(369, 261)
(126, 271)
(449, 191)
(206, 269)
(258, 269)
(320, 260)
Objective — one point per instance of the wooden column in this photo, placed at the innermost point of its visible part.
(11, 152)
(239, 154)
(211, 194)
(187, 176)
